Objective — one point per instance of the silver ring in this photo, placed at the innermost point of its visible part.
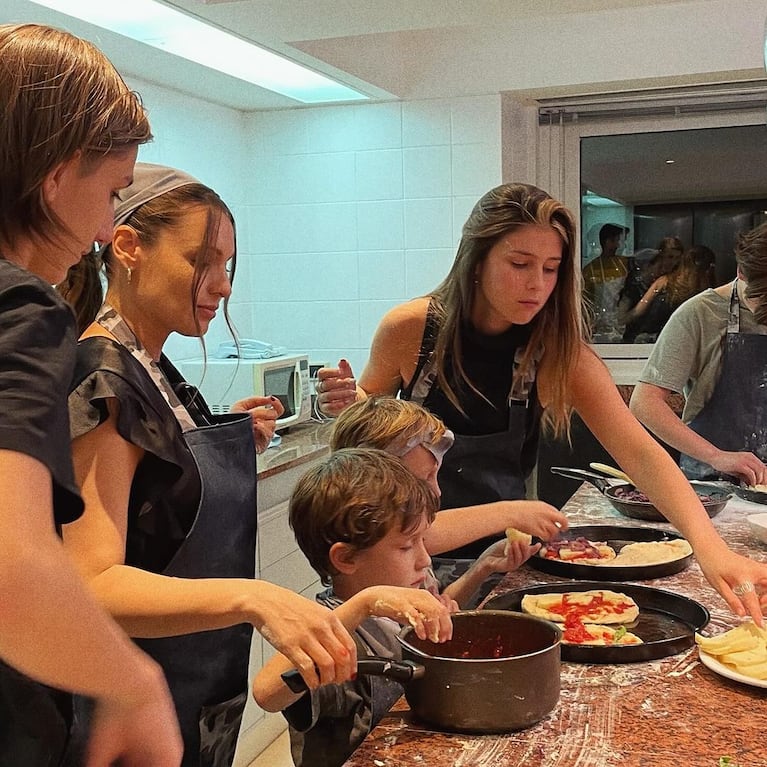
(743, 588)
(319, 387)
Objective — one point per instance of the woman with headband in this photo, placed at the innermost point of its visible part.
(167, 541)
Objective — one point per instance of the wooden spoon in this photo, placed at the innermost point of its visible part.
(612, 472)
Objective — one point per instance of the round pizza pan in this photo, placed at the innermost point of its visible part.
(617, 537)
(666, 625)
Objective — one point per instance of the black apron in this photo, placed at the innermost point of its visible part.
(208, 671)
(35, 721)
(735, 418)
(482, 468)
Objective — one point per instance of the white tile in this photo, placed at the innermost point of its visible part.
(428, 223)
(476, 168)
(275, 228)
(475, 119)
(425, 269)
(331, 227)
(426, 123)
(381, 274)
(379, 174)
(426, 171)
(325, 177)
(380, 225)
(277, 132)
(309, 324)
(377, 126)
(371, 313)
(305, 277)
(462, 207)
(330, 129)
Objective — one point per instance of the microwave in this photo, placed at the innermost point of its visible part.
(225, 381)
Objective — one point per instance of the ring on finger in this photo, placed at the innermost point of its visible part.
(743, 588)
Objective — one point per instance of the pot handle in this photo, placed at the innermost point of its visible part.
(401, 671)
(599, 482)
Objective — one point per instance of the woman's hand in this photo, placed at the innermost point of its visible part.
(741, 581)
(336, 388)
(264, 411)
(428, 615)
(309, 635)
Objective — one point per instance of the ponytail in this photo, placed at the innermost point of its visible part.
(83, 290)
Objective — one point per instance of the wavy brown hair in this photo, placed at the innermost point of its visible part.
(356, 497)
(59, 95)
(751, 257)
(558, 328)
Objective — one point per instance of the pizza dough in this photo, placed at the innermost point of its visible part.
(512, 534)
(583, 552)
(597, 606)
(595, 634)
(650, 553)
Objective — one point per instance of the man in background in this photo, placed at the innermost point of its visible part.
(603, 280)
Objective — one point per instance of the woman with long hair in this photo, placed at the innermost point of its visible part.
(499, 350)
(167, 540)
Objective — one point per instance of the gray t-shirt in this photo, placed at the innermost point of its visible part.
(687, 356)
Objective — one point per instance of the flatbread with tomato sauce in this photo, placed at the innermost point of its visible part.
(599, 606)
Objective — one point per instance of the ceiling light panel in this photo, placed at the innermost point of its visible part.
(175, 32)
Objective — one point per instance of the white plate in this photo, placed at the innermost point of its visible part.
(719, 668)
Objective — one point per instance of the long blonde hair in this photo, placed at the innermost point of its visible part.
(558, 327)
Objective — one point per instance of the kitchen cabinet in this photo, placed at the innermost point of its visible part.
(278, 560)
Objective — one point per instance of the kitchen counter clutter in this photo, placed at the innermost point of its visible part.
(670, 711)
(299, 445)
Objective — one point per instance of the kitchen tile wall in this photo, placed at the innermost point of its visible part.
(342, 212)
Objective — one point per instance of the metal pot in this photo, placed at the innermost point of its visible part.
(500, 672)
(644, 509)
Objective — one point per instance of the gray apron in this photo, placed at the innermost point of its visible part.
(735, 418)
(208, 671)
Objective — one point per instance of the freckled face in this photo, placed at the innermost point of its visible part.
(398, 559)
(516, 278)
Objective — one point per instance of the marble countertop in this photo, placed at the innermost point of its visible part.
(672, 711)
(300, 444)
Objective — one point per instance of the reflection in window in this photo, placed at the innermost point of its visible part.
(660, 215)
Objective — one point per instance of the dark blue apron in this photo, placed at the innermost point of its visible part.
(735, 418)
(208, 671)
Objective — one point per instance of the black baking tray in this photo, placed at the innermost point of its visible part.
(616, 536)
(667, 622)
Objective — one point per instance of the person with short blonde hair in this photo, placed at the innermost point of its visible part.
(420, 439)
(69, 134)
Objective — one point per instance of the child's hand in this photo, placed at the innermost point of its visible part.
(505, 556)
(428, 615)
(537, 518)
